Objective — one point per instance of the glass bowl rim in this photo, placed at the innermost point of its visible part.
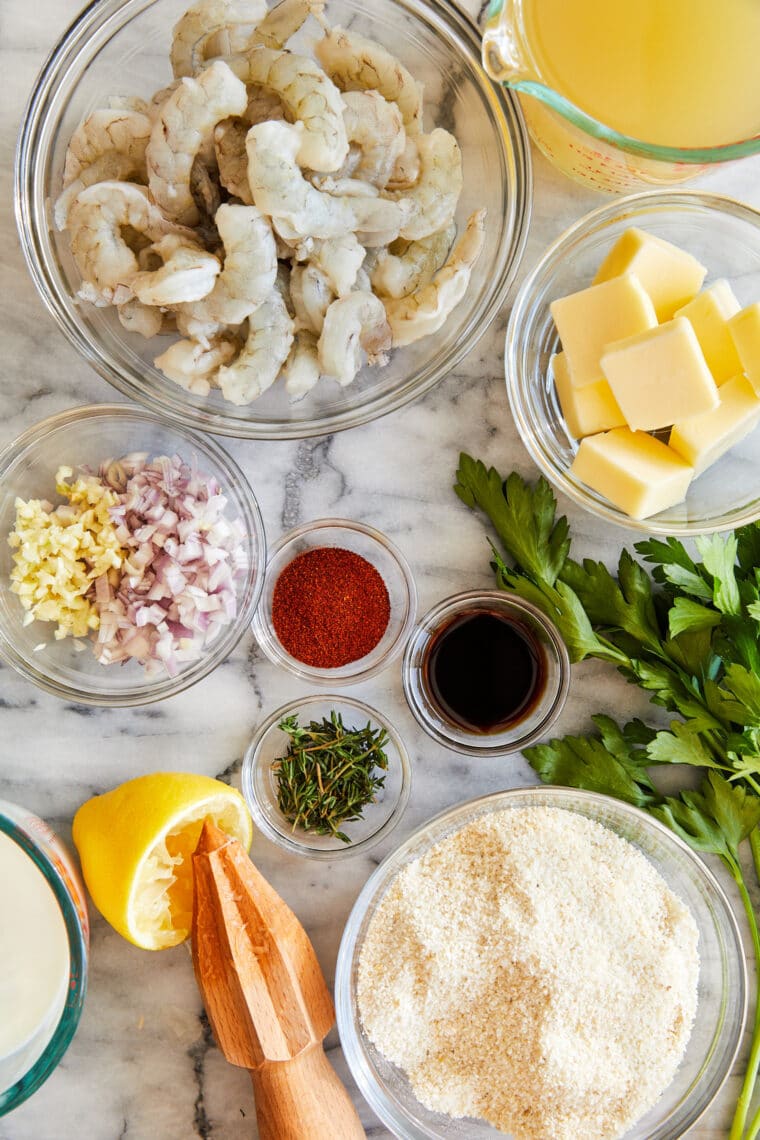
(47, 86)
(423, 631)
(149, 692)
(633, 206)
(263, 629)
(385, 873)
(15, 1095)
(251, 762)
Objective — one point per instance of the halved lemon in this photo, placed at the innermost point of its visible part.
(135, 844)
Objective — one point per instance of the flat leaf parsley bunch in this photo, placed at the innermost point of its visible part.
(689, 635)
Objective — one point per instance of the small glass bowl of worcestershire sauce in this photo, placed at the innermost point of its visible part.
(486, 672)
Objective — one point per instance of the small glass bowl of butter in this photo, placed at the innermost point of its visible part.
(633, 362)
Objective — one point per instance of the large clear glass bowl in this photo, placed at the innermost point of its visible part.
(122, 48)
(722, 992)
(89, 435)
(725, 236)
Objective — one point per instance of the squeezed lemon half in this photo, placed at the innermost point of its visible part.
(135, 843)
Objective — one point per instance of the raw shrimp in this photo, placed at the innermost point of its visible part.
(284, 20)
(263, 106)
(353, 325)
(250, 267)
(138, 318)
(111, 167)
(378, 128)
(96, 220)
(344, 187)
(339, 259)
(358, 64)
(311, 295)
(232, 158)
(232, 19)
(423, 312)
(301, 370)
(270, 335)
(194, 365)
(300, 210)
(308, 96)
(433, 199)
(187, 274)
(206, 191)
(112, 131)
(185, 121)
(402, 273)
(407, 169)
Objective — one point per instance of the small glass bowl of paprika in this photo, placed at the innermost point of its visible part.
(486, 672)
(338, 602)
(262, 790)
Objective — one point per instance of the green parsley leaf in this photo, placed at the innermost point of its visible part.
(682, 744)
(585, 762)
(715, 819)
(719, 557)
(686, 615)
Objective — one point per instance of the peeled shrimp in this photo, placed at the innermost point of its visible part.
(96, 220)
(250, 267)
(208, 19)
(423, 312)
(399, 274)
(433, 199)
(138, 318)
(378, 128)
(232, 158)
(270, 335)
(300, 210)
(187, 274)
(339, 259)
(301, 370)
(309, 97)
(311, 296)
(112, 131)
(407, 169)
(358, 64)
(353, 325)
(284, 20)
(111, 167)
(262, 106)
(185, 121)
(194, 365)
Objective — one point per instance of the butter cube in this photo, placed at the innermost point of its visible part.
(745, 330)
(660, 377)
(635, 471)
(702, 439)
(586, 410)
(670, 275)
(588, 320)
(709, 314)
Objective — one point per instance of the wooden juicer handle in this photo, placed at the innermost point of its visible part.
(303, 1099)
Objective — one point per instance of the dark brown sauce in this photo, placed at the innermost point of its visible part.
(484, 671)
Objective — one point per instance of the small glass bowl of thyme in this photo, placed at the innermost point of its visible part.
(326, 776)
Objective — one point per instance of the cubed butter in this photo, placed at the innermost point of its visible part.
(745, 330)
(709, 314)
(588, 320)
(660, 376)
(670, 275)
(701, 440)
(586, 410)
(635, 471)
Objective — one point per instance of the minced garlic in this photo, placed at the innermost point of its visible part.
(59, 553)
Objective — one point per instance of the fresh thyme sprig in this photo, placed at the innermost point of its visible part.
(329, 774)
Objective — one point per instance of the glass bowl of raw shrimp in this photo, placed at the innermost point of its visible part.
(190, 535)
(117, 53)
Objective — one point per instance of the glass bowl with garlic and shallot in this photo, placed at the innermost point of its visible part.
(114, 63)
(132, 555)
(676, 403)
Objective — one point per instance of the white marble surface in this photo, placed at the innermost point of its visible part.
(143, 1064)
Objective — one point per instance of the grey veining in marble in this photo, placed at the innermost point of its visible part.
(143, 1065)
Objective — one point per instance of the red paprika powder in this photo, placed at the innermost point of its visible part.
(330, 606)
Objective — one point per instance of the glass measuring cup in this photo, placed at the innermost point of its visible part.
(580, 145)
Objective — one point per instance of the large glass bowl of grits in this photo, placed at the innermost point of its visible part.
(82, 439)
(724, 235)
(722, 986)
(118, 48)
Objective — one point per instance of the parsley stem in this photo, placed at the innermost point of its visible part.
(750, 1077)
